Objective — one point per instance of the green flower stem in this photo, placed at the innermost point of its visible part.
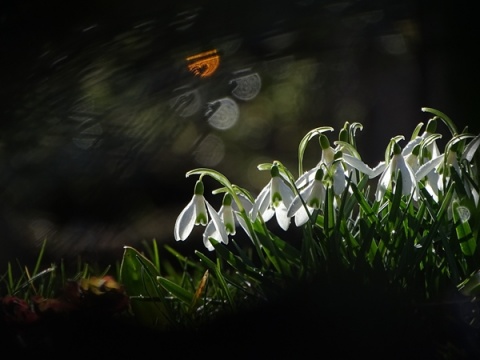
(451, 126)
(303, 144)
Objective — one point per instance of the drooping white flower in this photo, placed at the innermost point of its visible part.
(328, 155)
(195, 213)
(389, 178)
(351, 159)
(226, 216)
(230, 216)
(310, 199)
(429, 172)
(353, 162)
(431, 150)
(274, 199)
(247, 206)
(458, 159)
(340, 174)
(412, 158)
(422, 152)
(425, 172)
(340, 163)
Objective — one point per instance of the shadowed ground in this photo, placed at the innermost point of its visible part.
(325, 318)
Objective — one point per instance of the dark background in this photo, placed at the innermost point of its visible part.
(93, 154)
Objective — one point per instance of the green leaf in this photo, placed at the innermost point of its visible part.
(366, 211)
(147, 298)
(218, 273)
(176, 290)
(416, 131)
(230, 258)
(449, 253)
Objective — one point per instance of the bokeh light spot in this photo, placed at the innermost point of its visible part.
(187, 103)
(247, 86)
(204, 64)
(463, 213)
(223, 113)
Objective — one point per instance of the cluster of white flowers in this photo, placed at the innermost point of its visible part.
(420, 164)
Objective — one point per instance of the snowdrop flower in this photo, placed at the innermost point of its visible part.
(388, 177)
(429, 172)
(226, 216)
(328, 155)
(274, 199)
(195, 213)
(438, 170)
(426, 170)
(452, 160)
(339, 174)
(431, 150)
(352, 160)
(427, 155)
(310, 198)
(230, 216)
(412, 158)
(247, 205)
(340, 163)
(455, 162)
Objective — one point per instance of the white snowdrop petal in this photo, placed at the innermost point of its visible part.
(358, 164)
(261, 202)
(282, 218)
(219, 226)
(287, 193)
(428, 167)
(185, 221)
(301, 217)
